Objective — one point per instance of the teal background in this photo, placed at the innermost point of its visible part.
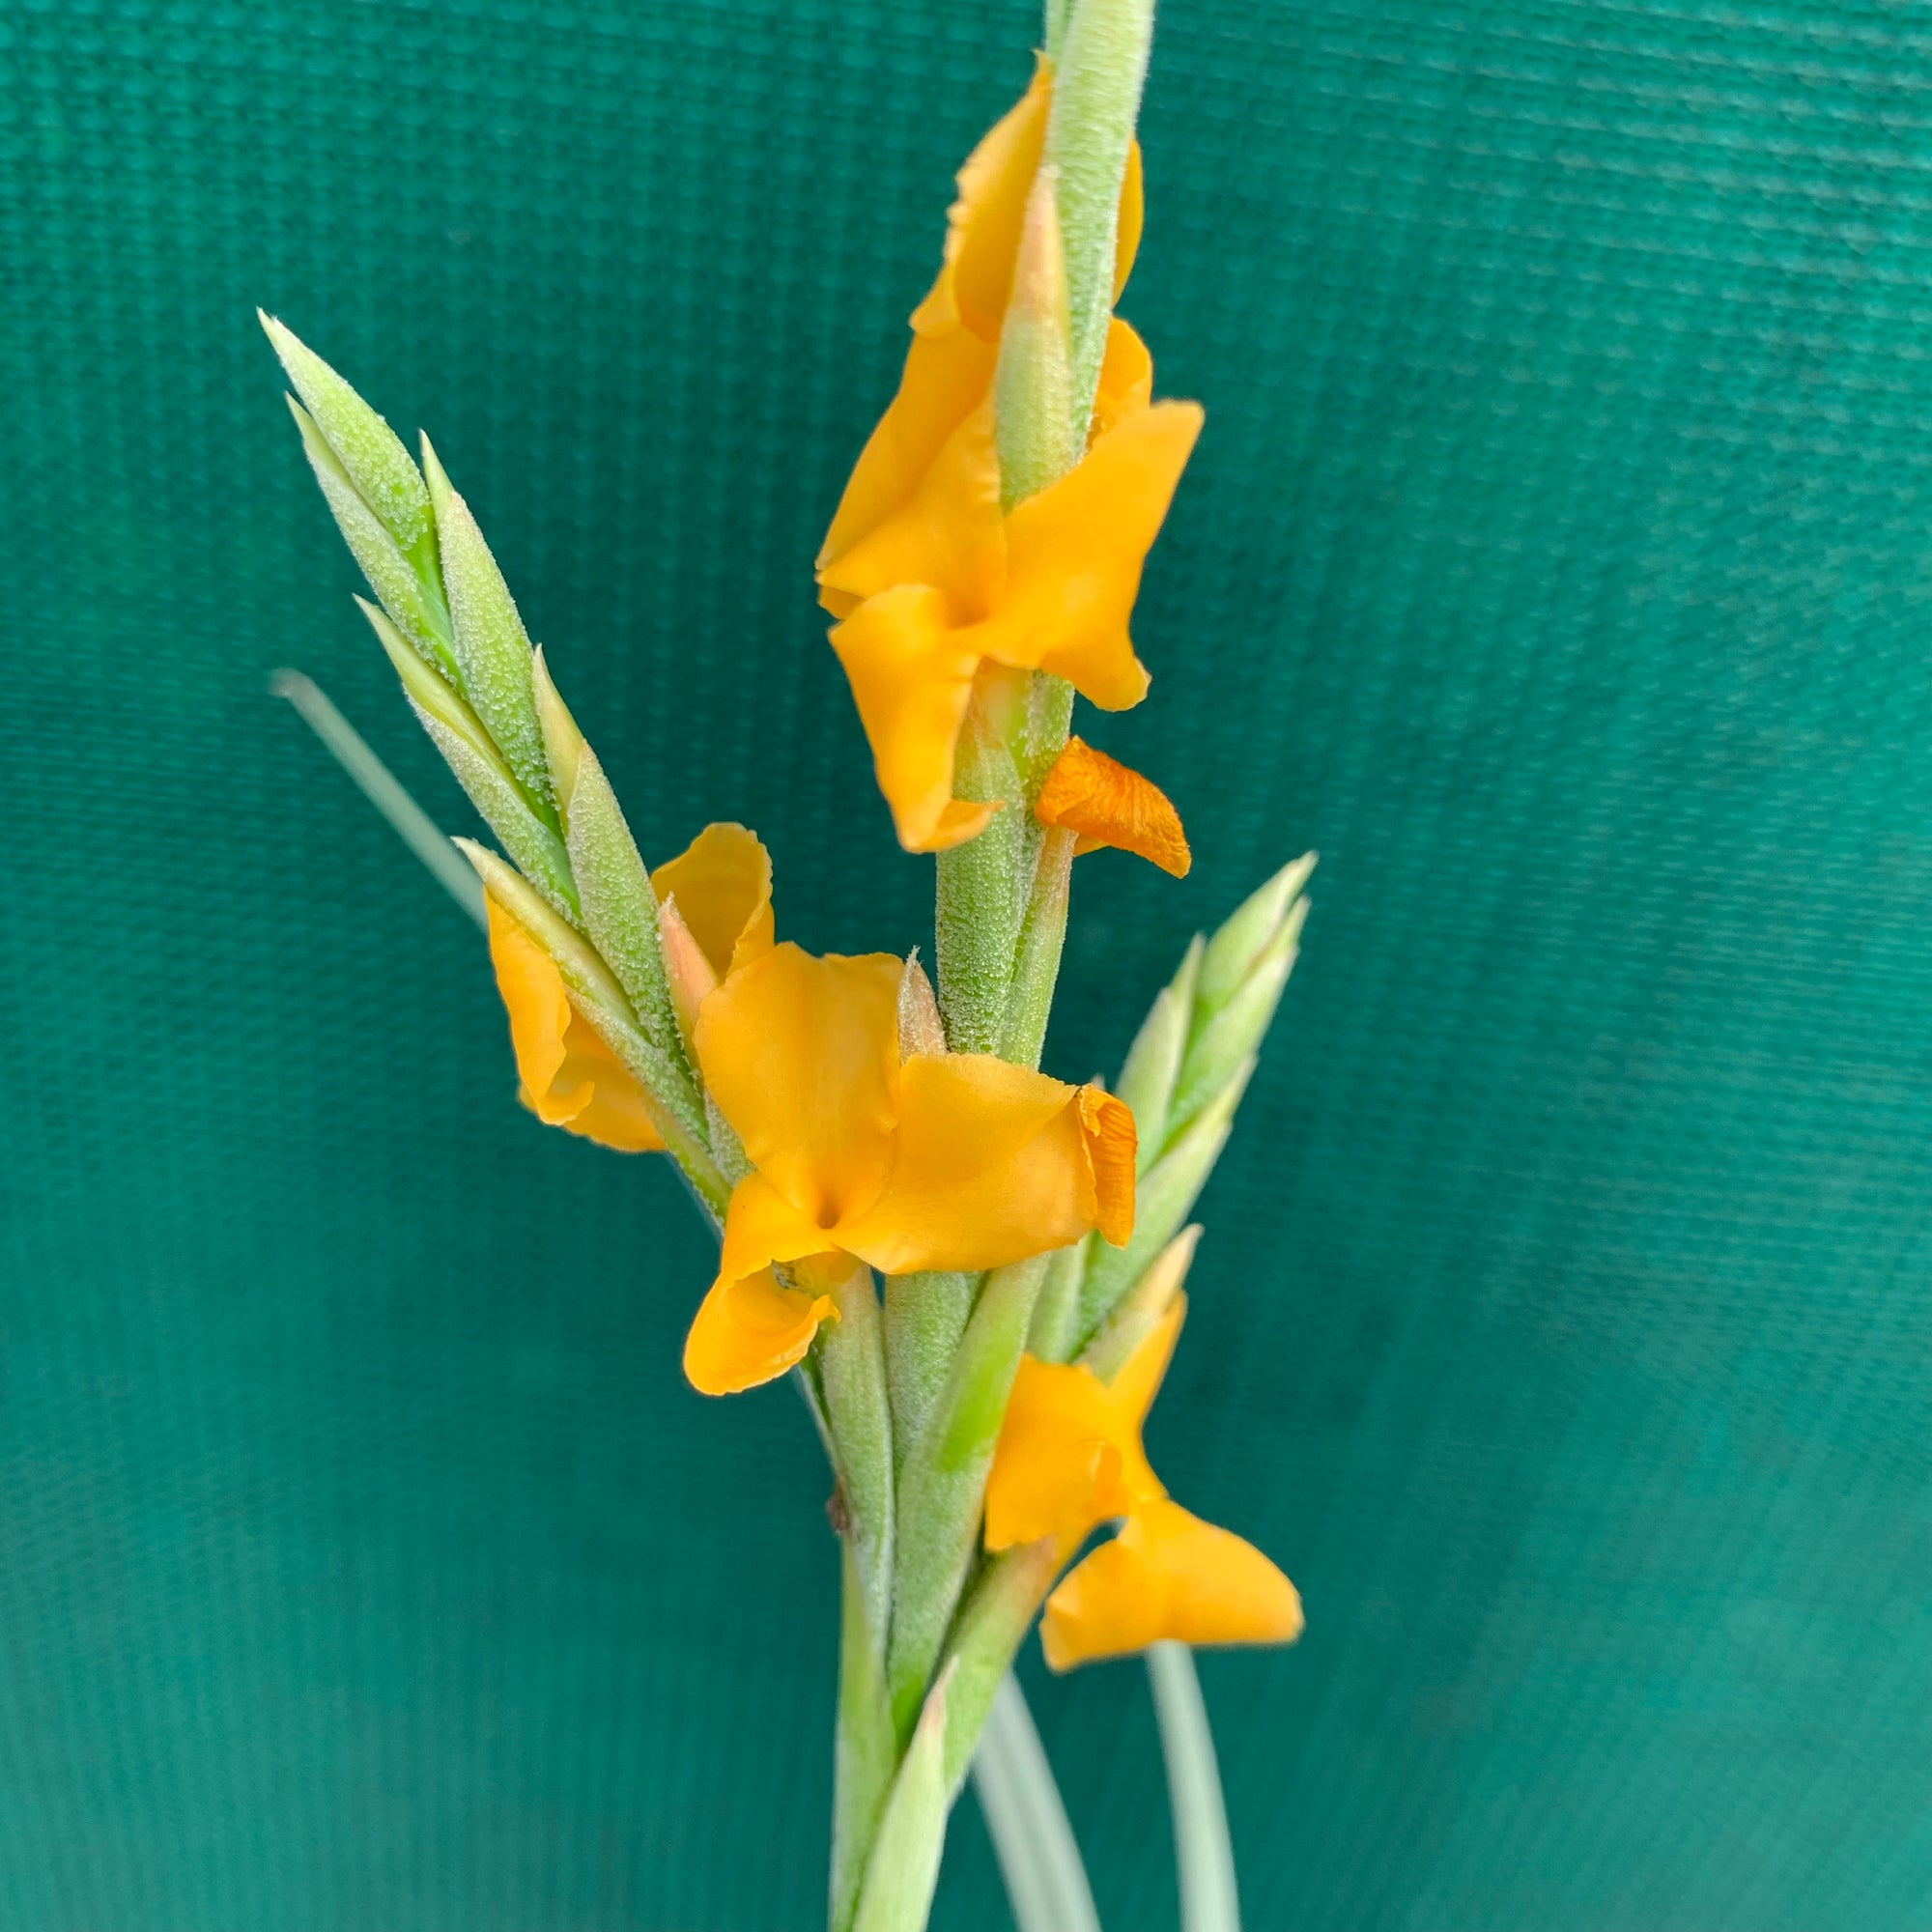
(1556, 559)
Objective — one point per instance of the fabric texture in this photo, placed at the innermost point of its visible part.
(1555, 559)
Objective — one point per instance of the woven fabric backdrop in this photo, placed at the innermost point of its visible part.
(1557, 559)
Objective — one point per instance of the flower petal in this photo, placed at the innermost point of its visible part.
(750, 1331)
(1140, 1377)
(946, 379)
(570, 1078)
(761, 1226)
(945, 530)
(722, 885)
(993, 1164)
(1167, 1574)
(1110, 804)
(912, 682)
(802, 1055)
(1111, 1143)
(1074, 554)
(1068, 1457)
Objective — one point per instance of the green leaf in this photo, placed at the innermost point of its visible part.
(1204, 1855)
(370, 453)
(903, 1870)
(1046, 1883)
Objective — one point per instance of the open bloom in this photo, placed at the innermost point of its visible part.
(904, 1162)
(722, 887)
(931, 579)
(1070, 1457)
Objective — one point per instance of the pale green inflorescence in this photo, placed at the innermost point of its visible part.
(451, 631)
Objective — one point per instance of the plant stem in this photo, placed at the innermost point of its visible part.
(1203, 1854)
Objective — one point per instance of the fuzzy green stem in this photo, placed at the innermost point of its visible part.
(1097, 98)
(852, 1371)
(981, 894)
(943, 1482)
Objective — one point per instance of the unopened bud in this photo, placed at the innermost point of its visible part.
(562, 741)
(1033, 418)
(919, 1028)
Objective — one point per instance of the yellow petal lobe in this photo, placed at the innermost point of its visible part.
(750, 1331)
(1067, 1458)
(1167, 1574)
(722, 885)
(1110, 804)
(993, 1162)
(912, 682)
(802, 1057)
(569, 1077)
(1074, 556)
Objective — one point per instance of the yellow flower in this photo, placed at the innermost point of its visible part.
(722, 886)
(925, 1160)
(1070, 1457)
(931, 579)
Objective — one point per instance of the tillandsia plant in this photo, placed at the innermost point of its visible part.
(973, 1272)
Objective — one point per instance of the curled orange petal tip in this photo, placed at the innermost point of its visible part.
(1112, 1142)
(1110, 804)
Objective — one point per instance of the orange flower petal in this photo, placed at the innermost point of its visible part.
(1126, 377)
(761, 1228)
(1133, 213)
(569, 1077)
(1107, 1129)
(1068, 1457)
(1167, 1574)
(991, 1165)
(1140, 1377)
(722, 885)
(1110, 804)
(946, 379)
(912, 682)
(1074, 554)
(982, 226)
(802, 1057)
(945, 531)
(750, 1331)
